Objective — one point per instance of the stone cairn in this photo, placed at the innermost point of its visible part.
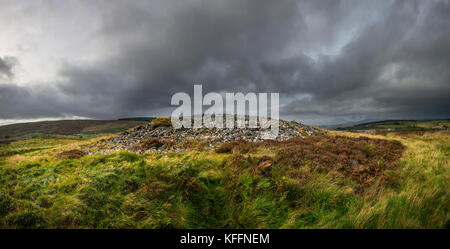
(158, 136)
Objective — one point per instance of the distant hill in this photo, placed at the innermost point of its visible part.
(399, 126)
(147, 119)
(66, 128)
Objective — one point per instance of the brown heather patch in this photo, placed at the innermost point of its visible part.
(365, 160)
(258, 166)
(239, 146)
(235, 161)
(152, 143)
(264, 166)
(71, 154)
(225, 148)
(190, 144)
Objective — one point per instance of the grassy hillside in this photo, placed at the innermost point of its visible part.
(400, 126)
(147, 119)
(65, 128)
(396, 182)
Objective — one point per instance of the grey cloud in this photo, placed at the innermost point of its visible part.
(412, 47)
(6, 65)
(376, 59)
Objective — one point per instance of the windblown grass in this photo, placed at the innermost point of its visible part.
(245, 187)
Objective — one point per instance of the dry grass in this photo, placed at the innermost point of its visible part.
(310, 183)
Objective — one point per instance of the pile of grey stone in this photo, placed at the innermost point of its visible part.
(209, 137)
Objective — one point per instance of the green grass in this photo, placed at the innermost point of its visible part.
(203, 190)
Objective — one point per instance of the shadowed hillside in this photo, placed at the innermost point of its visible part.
(399, 126)
(71, 128)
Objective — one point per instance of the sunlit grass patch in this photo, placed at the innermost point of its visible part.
(246, 187)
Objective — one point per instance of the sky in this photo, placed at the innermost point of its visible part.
(331, 61)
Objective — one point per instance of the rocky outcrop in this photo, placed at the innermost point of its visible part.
(159, 136)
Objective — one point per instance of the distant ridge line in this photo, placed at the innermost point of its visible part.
(148, 119)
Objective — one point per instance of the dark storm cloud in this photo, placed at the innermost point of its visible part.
(216, 43)
(398, 66)
(328, 59)
(6, 65)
